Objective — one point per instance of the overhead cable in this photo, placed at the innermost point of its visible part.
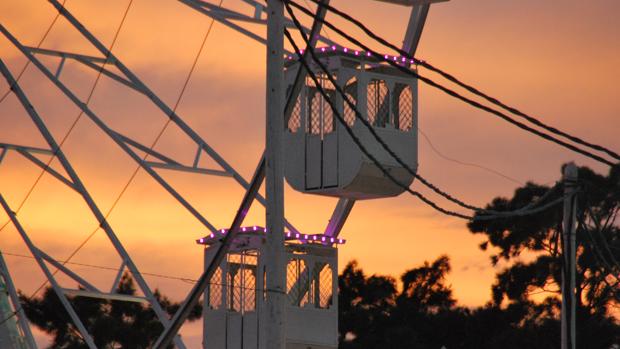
(23, 70)
(455, 94)
(482, 213)
(360, 145)
(466, 86)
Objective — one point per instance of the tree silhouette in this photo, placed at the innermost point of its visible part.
(539, 236)
(525, 305)
(112, 324)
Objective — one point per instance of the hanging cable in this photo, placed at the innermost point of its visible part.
(466, 86)
(27, 64)
(67, 134)
(454, 93)
(352, 106)
(360, 145)
(464, 163)
(153, 144)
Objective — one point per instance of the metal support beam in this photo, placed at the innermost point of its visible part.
(108, 296)
(95, 63)
(27, 153)
(569, 253)
(60, 66)
(182, 168)
(415, 26)
(150, 94)
(339, 217)
(22, 320)
(117, 279)
(109, 132)
(61, 296)
(47, 169)
(77, 182)
(229, 17)
(200, 286)
(32, 150)
(67, 271)
(146, 149)
(272, 331)
(300, 78)
(417, 19)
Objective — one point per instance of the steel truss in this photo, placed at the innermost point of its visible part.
(232, 19)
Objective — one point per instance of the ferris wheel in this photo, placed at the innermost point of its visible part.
(322, 101)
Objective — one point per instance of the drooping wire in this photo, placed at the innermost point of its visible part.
(465, 163)
(495, 214)
(126, 186)
(27, 64)
(152, 146)
(455, 94)
(464, 85)
(358, 142)
(66, 136)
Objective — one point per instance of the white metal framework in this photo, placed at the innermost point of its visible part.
(276, 259)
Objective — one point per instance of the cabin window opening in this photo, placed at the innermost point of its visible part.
(322, 285)
(403, 107)
(241, 282)
(378, 103)
(297, 282)
(321, 114)
(215, 289)
(294, 122)
(350, 91)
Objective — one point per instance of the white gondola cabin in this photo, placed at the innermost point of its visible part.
(321, 157)
(235, 297)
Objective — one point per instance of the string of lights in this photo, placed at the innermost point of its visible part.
(395, 62)
(481, 213)
(464, 85)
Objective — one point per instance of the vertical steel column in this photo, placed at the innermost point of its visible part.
(198, 290)
(568, 257)
(273, 326)
(417, 19)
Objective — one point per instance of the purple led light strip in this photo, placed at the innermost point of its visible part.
(398, 59)
(305, 238)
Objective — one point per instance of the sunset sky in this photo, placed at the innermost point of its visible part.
(557, 60)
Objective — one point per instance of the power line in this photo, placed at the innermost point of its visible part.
(456, 94)
(496, 214)
(464, 163)
(103, 267)
(367, 124)
(23, 70)
(464, 85)
(360, 145)
(67, 134)
(153, 144)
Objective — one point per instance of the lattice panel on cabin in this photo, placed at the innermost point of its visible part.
(324, 292)
(215, 289)
(404, 119)
(350, 91)
(297, 282)
(294, 123)
(378, 103)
